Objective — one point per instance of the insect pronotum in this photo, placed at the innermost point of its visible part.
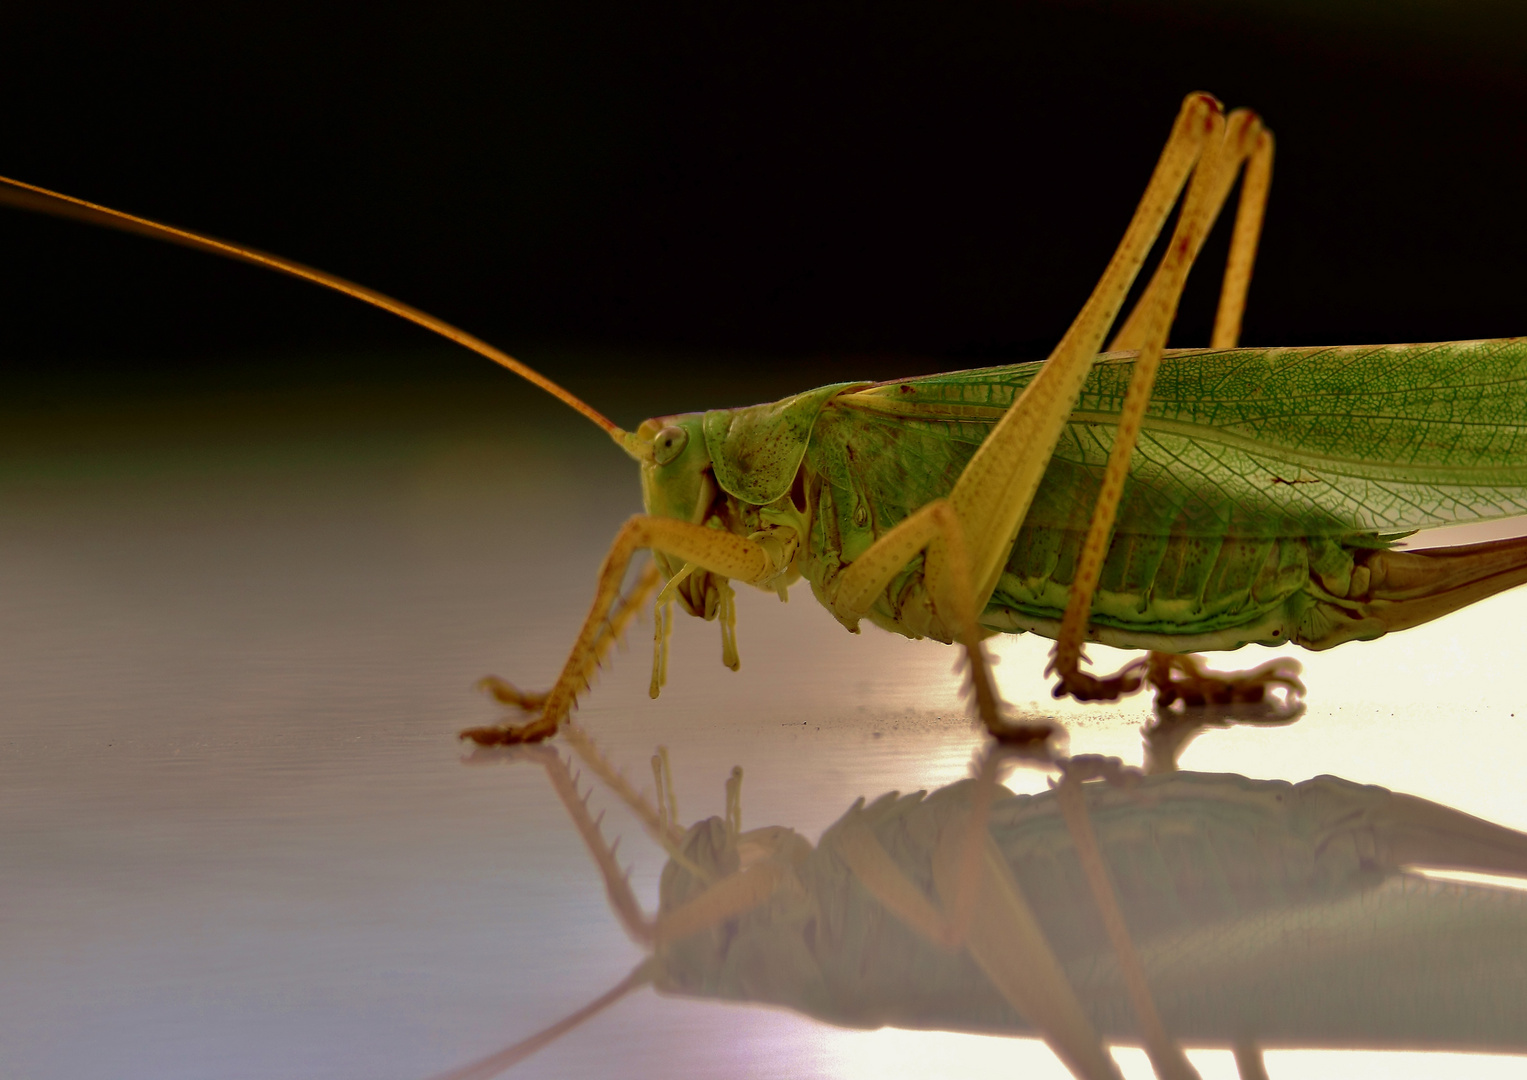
(1254, 913)
(1174, 502)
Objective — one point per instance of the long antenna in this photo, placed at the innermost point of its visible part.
(494, 1064)
(41, 200)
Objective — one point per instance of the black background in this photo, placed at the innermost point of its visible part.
(879, 187)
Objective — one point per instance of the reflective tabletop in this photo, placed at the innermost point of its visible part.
(238, 836)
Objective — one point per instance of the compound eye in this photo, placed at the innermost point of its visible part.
(669, 444)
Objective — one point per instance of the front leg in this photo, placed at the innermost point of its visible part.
(613, 630)
(715, 550)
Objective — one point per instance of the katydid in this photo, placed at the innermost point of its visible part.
(1262, 504)
(1260, 913)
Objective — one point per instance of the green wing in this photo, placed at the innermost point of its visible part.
(1260, 478)
(1239, 442)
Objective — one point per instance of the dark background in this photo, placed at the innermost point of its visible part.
(869, 189)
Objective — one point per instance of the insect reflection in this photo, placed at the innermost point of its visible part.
(1253, 913)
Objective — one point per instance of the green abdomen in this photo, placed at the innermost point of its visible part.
(1174, 593)
(1165, 585)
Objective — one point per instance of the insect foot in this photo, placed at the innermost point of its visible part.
(1084, 686)
(602, 631)
(512, 734)
(1186, 679)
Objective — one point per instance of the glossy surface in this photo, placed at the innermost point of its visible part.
(237, 636)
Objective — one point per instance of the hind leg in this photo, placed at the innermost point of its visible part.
(1227, 147)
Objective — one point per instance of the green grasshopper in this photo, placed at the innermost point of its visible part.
(1262, 505)
(1245, 913)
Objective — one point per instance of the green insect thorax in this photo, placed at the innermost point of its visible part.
(751, 453)
(721, 467)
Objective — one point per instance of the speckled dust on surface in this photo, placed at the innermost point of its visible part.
(239, 840)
